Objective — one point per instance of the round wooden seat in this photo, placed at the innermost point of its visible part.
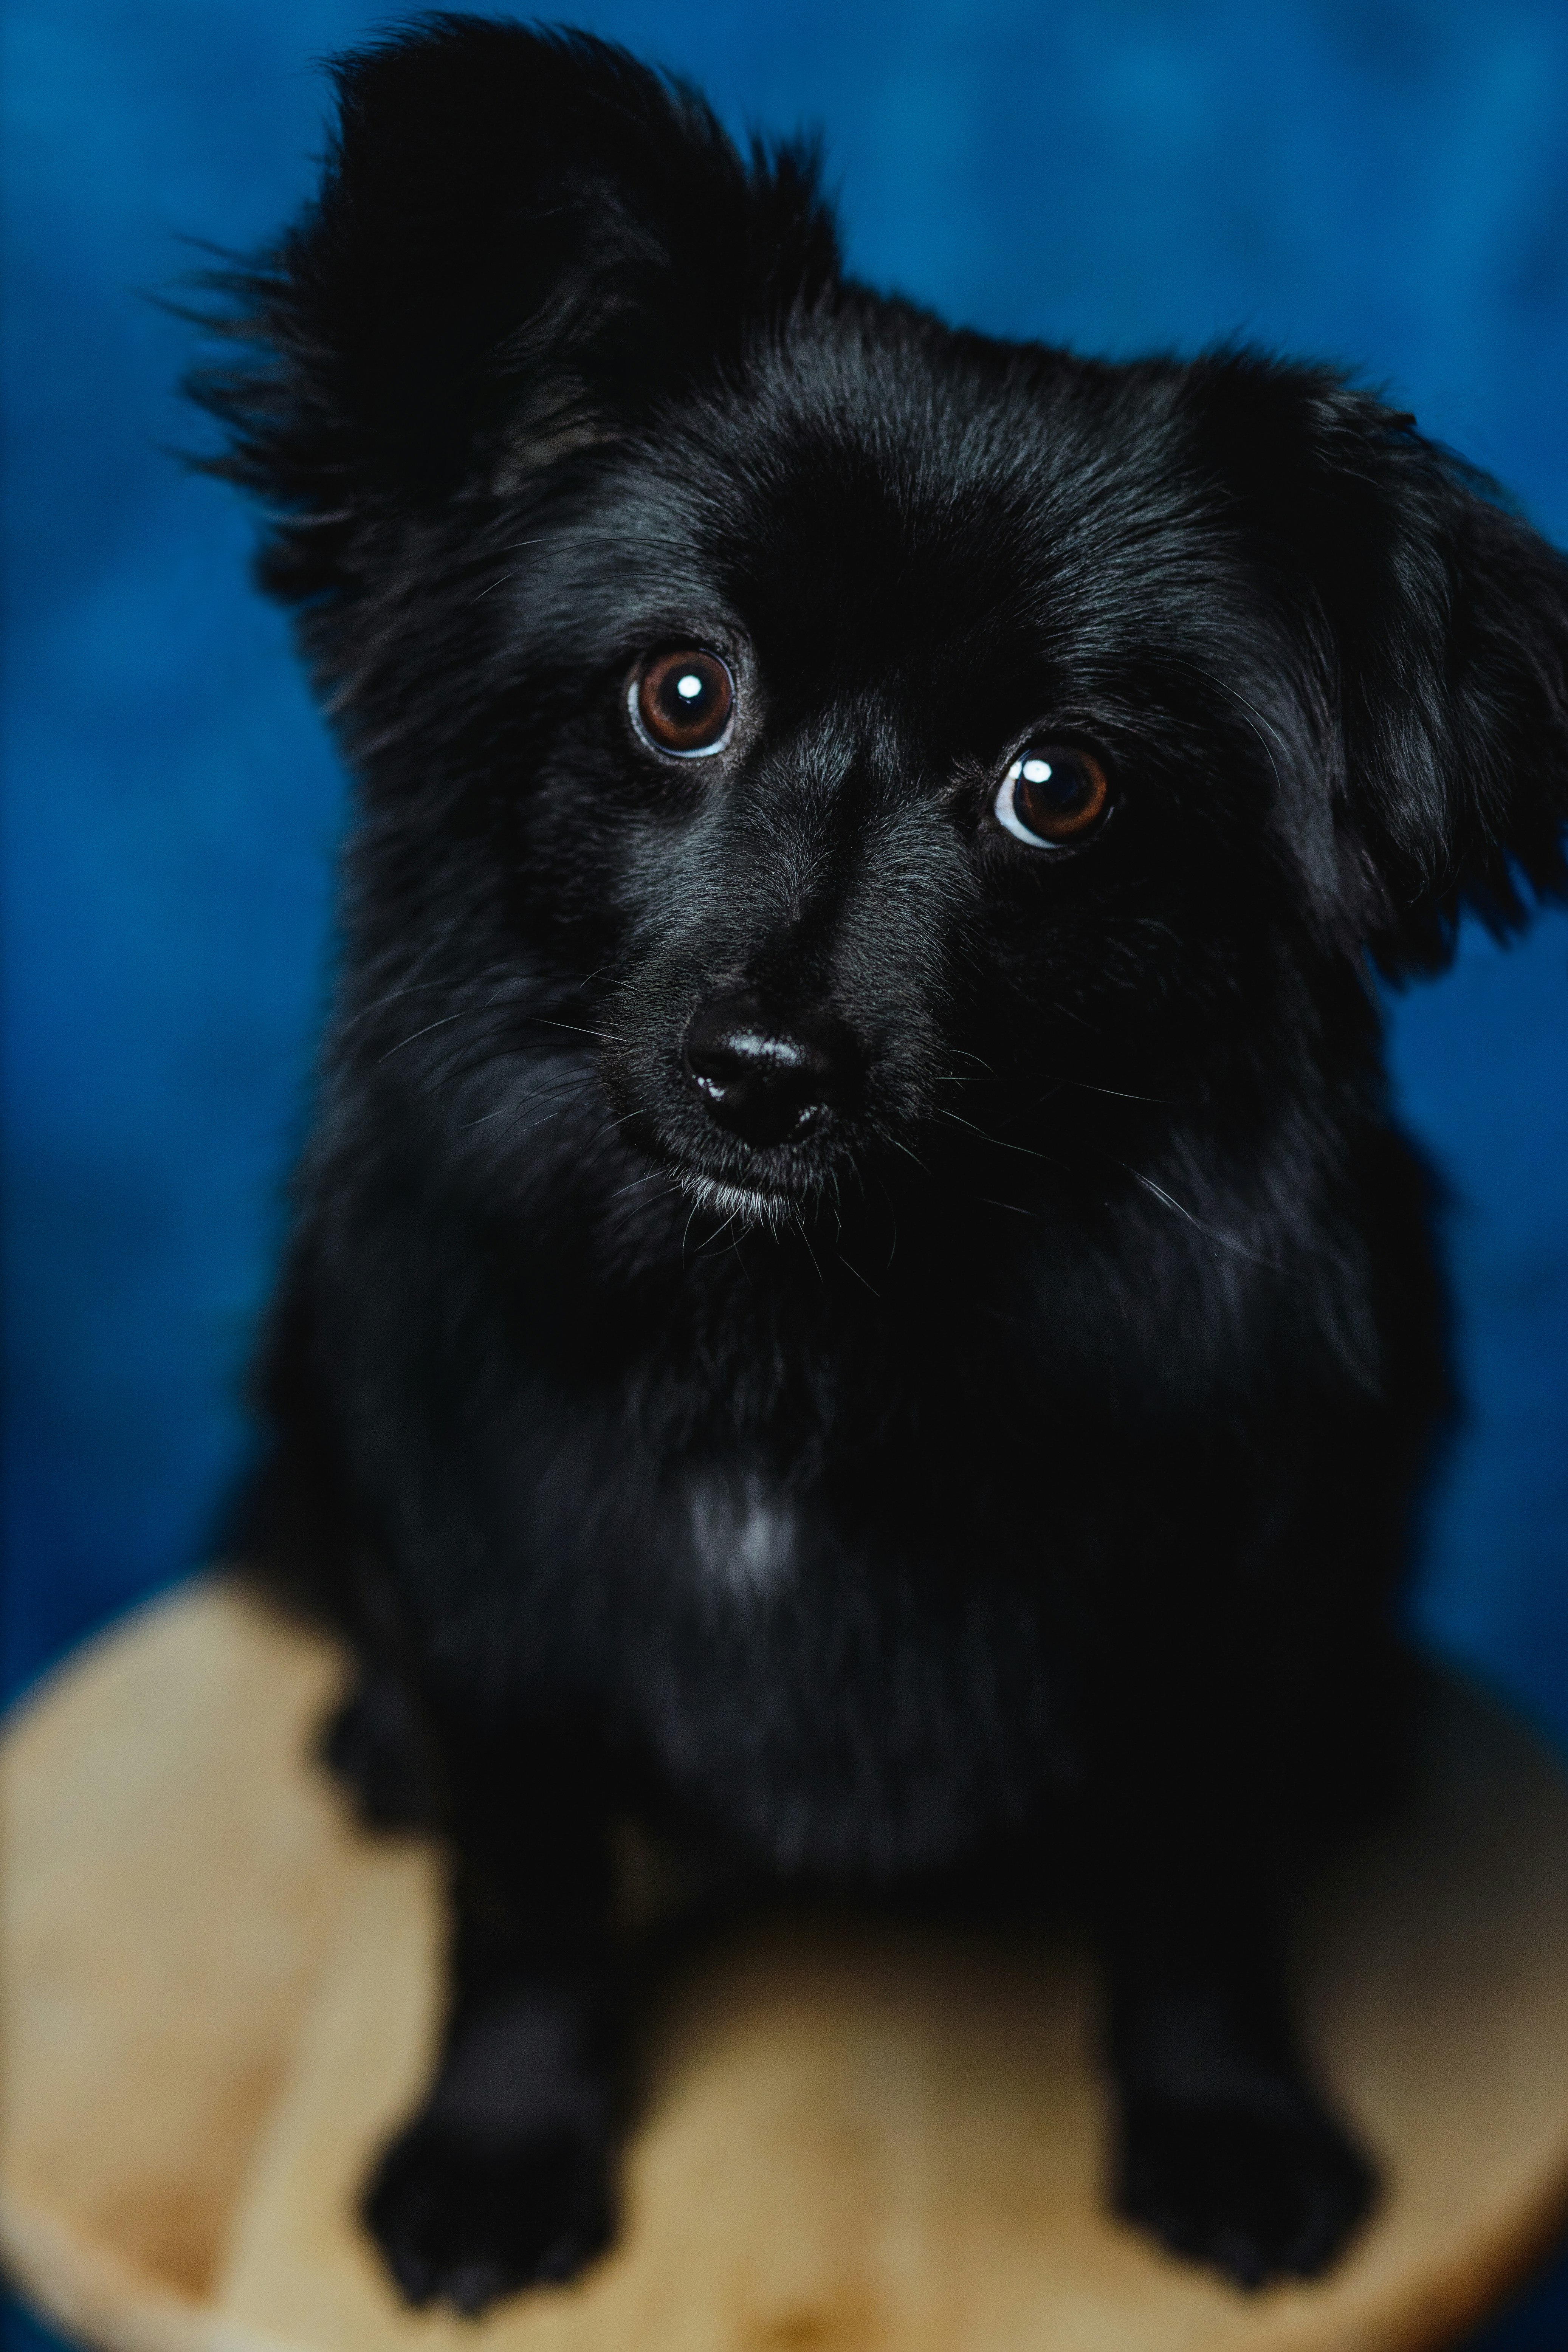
(219, 1998)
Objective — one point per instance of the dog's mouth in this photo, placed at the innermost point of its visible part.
(745, 1205)
(765, 1185)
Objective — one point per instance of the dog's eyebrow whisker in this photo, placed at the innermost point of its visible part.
(1268, 754)
(1259, 721)
(987, 1201)
(1259, 724)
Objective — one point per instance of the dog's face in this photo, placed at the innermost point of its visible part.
(885, 743)
(913, 761)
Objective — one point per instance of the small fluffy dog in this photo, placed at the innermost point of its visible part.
(854, 1294)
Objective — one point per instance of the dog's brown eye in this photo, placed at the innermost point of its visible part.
(683, 702)
(1052, 795)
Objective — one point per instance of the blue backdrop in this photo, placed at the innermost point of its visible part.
(1384, 185)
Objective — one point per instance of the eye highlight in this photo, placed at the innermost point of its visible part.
(1053, 795)
(683, 702)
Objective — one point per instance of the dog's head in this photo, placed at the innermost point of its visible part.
(876, 737)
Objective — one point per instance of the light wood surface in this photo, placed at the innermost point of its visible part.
(218, 1998)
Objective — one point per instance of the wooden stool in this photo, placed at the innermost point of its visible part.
(219, 1998)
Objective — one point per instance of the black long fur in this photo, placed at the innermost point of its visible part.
(1023, 1456)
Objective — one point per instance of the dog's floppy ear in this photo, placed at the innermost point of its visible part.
(522, 241)
(1436, 625)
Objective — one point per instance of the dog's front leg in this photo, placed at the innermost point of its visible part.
(502, 2178)
(1224, 2148)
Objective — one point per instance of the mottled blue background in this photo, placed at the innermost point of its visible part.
(1387, 186)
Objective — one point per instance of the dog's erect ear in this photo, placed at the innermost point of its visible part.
(1436, 624)
(522, 241)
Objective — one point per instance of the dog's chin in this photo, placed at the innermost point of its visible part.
(764, 1188)
(746, 1191)
(745, 1207)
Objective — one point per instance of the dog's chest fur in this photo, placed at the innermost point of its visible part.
(744, 1536)
(956, 1728)
(830, 1688)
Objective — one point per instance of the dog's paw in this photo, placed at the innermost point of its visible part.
(463, 2216)
(1261, 2191)
(374, 1747)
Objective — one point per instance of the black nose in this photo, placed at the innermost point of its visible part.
(764, 1075)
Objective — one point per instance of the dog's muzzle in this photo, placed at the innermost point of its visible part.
(765, 1075)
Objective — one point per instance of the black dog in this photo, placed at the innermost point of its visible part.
(854, 1292)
